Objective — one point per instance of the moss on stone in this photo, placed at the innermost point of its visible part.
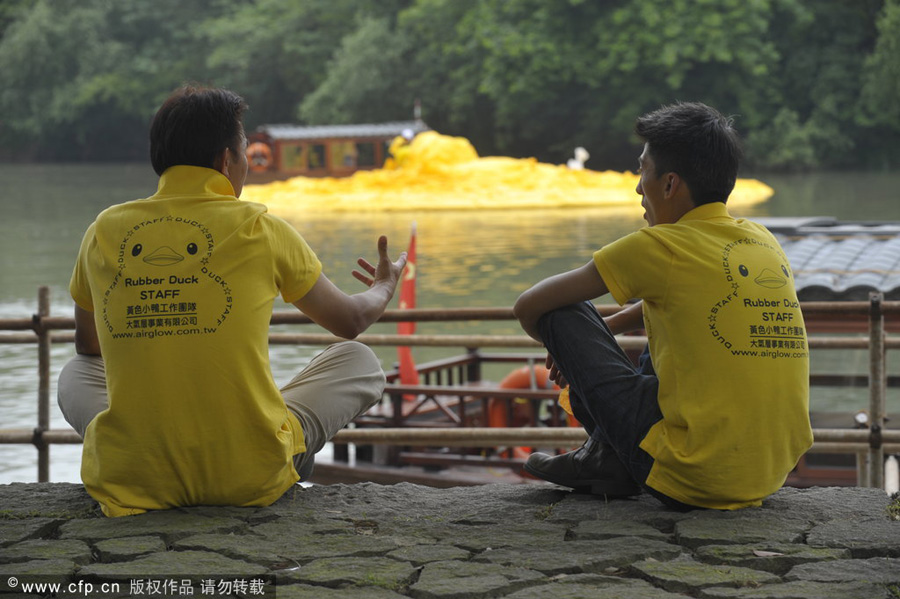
(893, 508)
(545, 512)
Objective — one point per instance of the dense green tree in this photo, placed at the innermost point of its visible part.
(880, 110)
(363, 85)
(881, 84)
(655, 52)
(812, 83)
(562, 74)
(83, 82)
(277, 52)
(11, 11)
(444, 69)
(536, 68)
(811, 118)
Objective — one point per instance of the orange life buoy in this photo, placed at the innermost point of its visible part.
(522, 412)
(259, 157)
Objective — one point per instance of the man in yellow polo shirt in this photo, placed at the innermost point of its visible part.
(171, 388)
(716, 413)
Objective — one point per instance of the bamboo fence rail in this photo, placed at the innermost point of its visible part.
(869, 444)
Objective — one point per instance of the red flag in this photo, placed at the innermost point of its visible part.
(408, 373)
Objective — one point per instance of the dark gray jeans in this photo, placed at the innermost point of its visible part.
(615, 401)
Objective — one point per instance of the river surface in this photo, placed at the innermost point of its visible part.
(475, 258)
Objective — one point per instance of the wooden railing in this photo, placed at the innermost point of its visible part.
(456, 378)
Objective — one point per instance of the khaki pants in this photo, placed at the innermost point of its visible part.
(338, 385)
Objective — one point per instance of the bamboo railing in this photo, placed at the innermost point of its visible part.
(869, 444)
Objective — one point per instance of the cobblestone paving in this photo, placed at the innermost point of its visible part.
(515, 541)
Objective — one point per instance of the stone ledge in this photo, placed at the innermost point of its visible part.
(517, 541)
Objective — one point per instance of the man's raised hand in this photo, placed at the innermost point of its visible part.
(385, 272)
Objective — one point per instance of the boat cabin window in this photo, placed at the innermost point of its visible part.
(351, 155)
(338, 157)
(343, 154)
(293, 157)
(365, 154)
(316, 157)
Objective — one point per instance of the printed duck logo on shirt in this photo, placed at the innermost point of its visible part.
(759, 315)
(164, 285)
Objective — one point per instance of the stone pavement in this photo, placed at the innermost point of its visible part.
(513, 541)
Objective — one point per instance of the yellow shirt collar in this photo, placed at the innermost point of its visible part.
(181, 180)
(712, 210)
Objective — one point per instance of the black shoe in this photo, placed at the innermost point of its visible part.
(592, 468)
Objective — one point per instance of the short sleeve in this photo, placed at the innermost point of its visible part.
(636, 266)
(79, 284)
(296, 266)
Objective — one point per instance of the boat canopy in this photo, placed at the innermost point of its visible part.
(384, 131)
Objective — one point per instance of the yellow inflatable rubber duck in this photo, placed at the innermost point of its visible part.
(440, 172)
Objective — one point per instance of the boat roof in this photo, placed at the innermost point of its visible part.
(792, 226)
(378, 130)
(834, 260)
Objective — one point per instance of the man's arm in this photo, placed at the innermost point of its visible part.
(86, 341)
(349, 315)
(564, 289)
(581, 284)
(630, 318)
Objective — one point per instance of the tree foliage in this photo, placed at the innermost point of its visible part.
(83, 82)
(881, 81)
(276, 52)
(378, 93)
(811, 83)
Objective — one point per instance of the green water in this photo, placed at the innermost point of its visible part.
(464, 259)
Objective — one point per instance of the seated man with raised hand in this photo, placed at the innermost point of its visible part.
(716, 414)
(171, 388)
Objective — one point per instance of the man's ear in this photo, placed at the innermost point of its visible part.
(673, 184)
(222, 162)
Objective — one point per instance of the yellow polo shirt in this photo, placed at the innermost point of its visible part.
(182, 286)
(729, 346)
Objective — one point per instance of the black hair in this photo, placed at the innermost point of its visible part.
(194, 125)
(697, 142)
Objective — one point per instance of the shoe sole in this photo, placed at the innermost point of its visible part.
(594, 487)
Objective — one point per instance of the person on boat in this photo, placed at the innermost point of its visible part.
(399, 150)
(171, 387)
(715, 415)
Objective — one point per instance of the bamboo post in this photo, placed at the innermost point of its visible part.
(862, 468)
(43, 415)
(877, 390)
(473, 370)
